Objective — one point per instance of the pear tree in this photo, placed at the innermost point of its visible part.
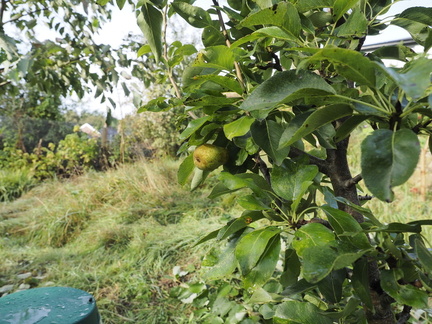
(284, 86)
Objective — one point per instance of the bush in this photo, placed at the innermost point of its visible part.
(13, 183)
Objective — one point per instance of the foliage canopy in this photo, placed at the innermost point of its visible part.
(282, 85)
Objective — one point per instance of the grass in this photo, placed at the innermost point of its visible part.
(119, 234)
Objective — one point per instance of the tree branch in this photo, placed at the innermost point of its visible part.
(228, 43)
(2, 11)
(353, 181)
(19, 17)
(165, 56)
(404, 315)
(320, 163)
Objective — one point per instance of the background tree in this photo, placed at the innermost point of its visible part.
(69, 61)
(282, 85)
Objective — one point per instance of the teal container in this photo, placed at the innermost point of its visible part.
(50, 305)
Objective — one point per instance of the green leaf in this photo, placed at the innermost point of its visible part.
(273, 32)
(250, 202)
(150, 22)
(236, 225)
(283, 14)
(193, 126)
(226, 264)
(252, 246)
(388, 159)
(266, 265)
(267, 135)
(8, 44)
(317, 119)
(306, 5)
(331, 286)
(403, 294)
(348, 63)
(360, 281)
(195, 16)
(291, 268)
(424, 255)
(348, 126)
(212, 36)
(414, 79)
(299, 287)
(346, 227)
(416, 21)
(398, 228)
(238, 127)
(284, 87)
(291, 181)
(245, 180)
(294, 312)
(224, 81)
(319, 262)
(210, 236)
(356, 25)
(198, 178)
(340, 7)
(185, 170)
(145, 49)
(312, 235)
(120, 3)
(219, 57)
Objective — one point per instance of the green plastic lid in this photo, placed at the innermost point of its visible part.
(50, 305)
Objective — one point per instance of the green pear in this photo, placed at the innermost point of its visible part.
(209, 157)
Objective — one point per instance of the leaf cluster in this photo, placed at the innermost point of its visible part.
(282, 85)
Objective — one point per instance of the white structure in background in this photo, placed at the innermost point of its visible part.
(90, 130)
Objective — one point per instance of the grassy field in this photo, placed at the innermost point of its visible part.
(119, 235)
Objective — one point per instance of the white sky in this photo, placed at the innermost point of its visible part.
(123, 22)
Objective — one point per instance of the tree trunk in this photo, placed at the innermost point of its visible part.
(344, 186)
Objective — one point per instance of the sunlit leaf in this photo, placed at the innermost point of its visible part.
(284, 87)
(193, 126)
(349, 63)
(282, 14)
(238, 127)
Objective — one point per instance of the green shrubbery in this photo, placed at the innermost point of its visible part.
(21, 170)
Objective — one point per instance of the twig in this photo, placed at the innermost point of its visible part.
(353, 181)
(17, 18)
(263, 168)
(2, 11)
(228, 43)
(165, 56)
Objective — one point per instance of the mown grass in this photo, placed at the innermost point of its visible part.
(117, 235)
